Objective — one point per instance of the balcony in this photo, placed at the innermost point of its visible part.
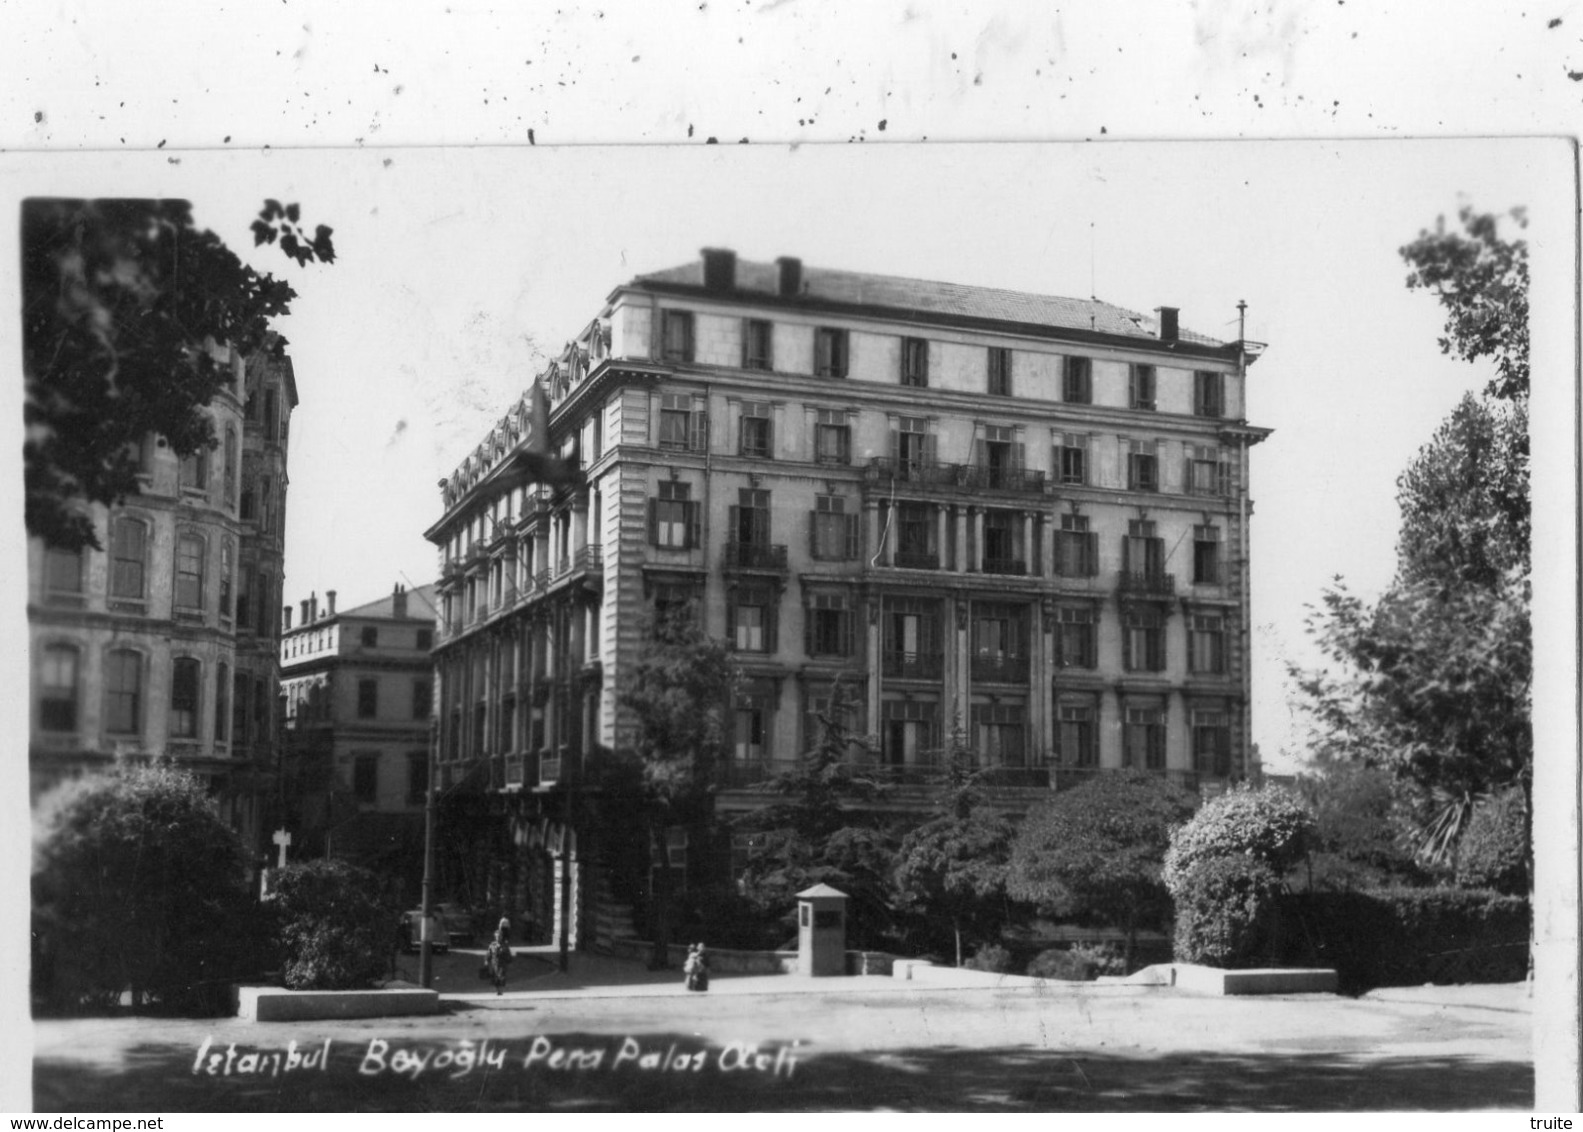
(929, 473)
(1000, 669)
(585, 561)
(916, 560)
(1012, 566)
(755, 556)
(1146, 583)
(739, 773)
(913, 665)
(989, 477)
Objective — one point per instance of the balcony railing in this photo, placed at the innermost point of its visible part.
(916, 560)
(1146, 583)
(914, 665)
(1013, 566)
(1066, 777)
(755, 556)
(739, 773)
(926, 472)
(1000, 669)
(992, 478)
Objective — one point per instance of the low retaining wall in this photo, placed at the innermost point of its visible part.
(724, 961)
(276, 1004)
(1257, 980)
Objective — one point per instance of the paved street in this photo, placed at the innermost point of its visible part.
(610, 1035)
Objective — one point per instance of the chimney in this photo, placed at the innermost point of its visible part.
(329, 596)
(307, 616)
(1167, 324)
(790, 275)
(398, 602)
(286, 619)
(720, 269)
(313, 607)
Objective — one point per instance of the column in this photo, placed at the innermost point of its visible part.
(873, 645)
(872, 522)
(977, 514)
(942, 533)
(1027, 544)
(959, 559)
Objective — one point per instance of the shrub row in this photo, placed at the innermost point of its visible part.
(1408, 936)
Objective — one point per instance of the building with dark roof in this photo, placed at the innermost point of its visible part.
(1018, 515)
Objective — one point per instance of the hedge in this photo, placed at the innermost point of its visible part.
(1408, 936)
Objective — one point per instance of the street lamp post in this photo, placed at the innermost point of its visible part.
(425, 951)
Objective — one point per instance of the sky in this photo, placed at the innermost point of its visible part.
(460, 270)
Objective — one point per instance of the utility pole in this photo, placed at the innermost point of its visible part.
(425, 951)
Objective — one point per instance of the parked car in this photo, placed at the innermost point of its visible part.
(439, 934)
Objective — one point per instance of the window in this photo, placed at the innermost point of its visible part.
(1076, 548)
(1143, 639)
(829, 625)
(1207, 474)
(751, 615)
(829, 352)
(750, 727)
(193, 474)
(1001, 456)
(757, 345)
(1211, 742)
(248, 509)
(57, 707)
(912, 638)
(239, 715)
(833, 533)
(1141, 386)
(1069, 461)
(1206, 643)
(757, 434)
(673, 517)
(365, 778)
(425, 639)
(1206, 556)
(917, 536)
(998, 734)
(999, 371)
(676, 333)
(1142, 551)
(62, 571)
(674, 601)
(1077, 381)
(745, 848)
(1143, 738)
(417, 777)
(832, 437)
(1075, 637)
(128, 550)
(1074, 736)
(999, 642)
(123, 682)
(184, 685)
(1143, 466)
(911, 447)
(225, 579)
(271, 414)
(1003, 542)
(367, 699)
(222, 701)
(422, 698)
(1209, 394)
(683, 423)
(914, 361)
(230, 465)
(264, 606)
(370, 636)
(750, 518)
(911, 732)
(189, 572)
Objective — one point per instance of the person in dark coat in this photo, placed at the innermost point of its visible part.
(697, 968)
(499, 958)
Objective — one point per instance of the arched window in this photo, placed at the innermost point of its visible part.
(195, 470)
(123, 684)
(189, 572)
(57, 707)
(128, 555)
(222, 701)
(185, 684)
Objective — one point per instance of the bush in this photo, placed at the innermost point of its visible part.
(139, 886)
(723, 917)
(1270, 825)
(1081, 962)
(991, 957)
(1223, 909)
(1410, 936)
(1494, 850)
(334, 931)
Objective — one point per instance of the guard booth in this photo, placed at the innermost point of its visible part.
(821, 931)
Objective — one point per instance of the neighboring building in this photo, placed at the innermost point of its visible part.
(163, 644)
(358, 691)
(1019, 515)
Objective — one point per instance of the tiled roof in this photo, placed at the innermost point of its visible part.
(420, 605)
(925, 296)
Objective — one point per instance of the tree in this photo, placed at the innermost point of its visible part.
(954, 865)
(137, 885)
(119, 300)
(823, 831)
(1433, 680)
(1361, 835)
(1097, 850)
(335, 932)
(676, 690)
(1225, 867)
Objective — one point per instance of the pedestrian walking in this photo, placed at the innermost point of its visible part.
(696, 968)
(499, 957)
